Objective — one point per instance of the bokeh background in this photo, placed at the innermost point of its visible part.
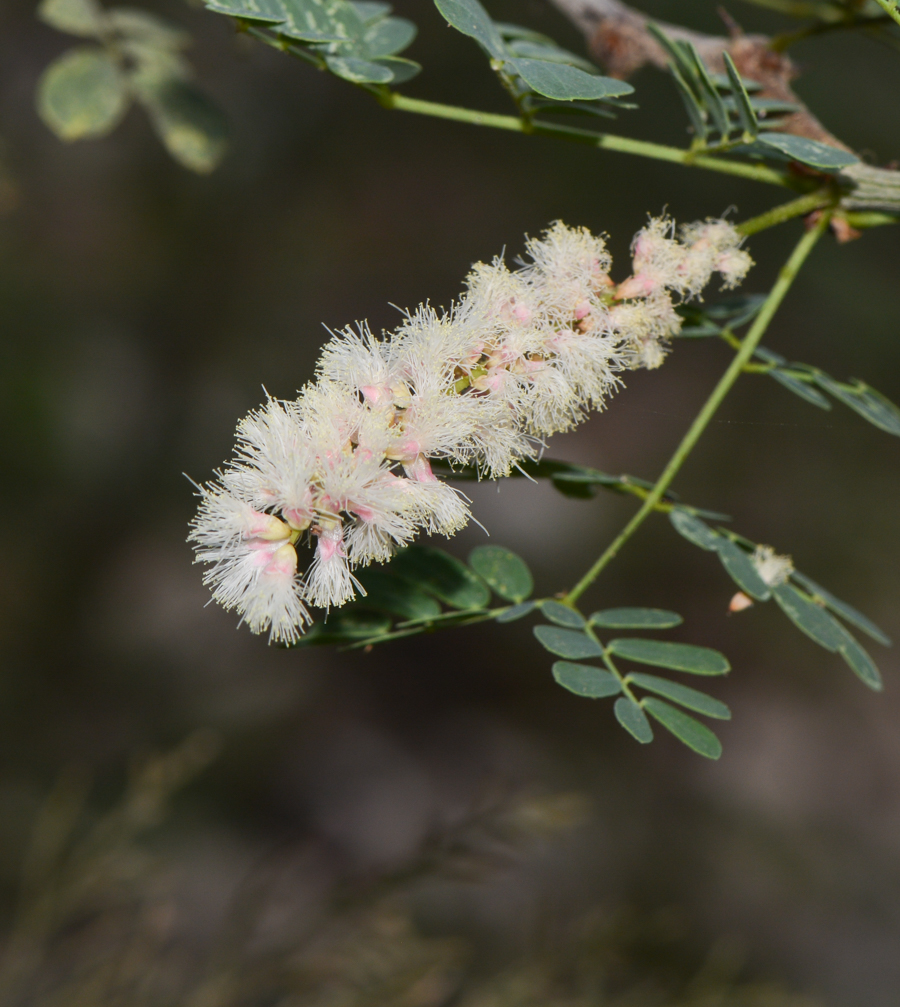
(141, 310)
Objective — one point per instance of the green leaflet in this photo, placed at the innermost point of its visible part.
(566, 83)
(470, 18)
(567, 642)
(633, 719)
(552, 53)
(743, 102)
(264, 11)
(310, 21)
(359, 71)
(741, 569)
(844, 610)
(800, 388)
(863, 665)
(82, 94)
(586, 680)
(562, 615)
(190, 126)
(811, 152)
(678, 656)
(442, 575)
(77, 17)
(809, 617)
(636, 618)
(505, 573)
(694, 530)
(687, 730)
(516, 612)
(871, 405)
(691, 698)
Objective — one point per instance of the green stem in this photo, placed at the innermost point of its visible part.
(786, 211)
(751, 341)
(890, 8)
(605, 141)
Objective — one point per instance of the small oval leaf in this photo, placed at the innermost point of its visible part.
(636, 618)
(586, 680)
(687, 730)
(562, 615)
(359, 71)
(633, 719)
(691, 698)
(567, 643)
(264, 11)
(741, 570)
(693, 529)
(566, 83)
(516, 612)
(469, 17)
(678, 656)
(811, 152)
(192, 128)
(800, 388)
(505, 572)
(863, 665)
(82, 94)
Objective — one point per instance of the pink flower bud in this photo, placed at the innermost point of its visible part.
(265, 526)
(283, 564)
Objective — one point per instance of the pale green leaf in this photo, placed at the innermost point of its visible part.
(844, 610)
(82, 94)
(388, 37)
(800, 388)
(516, 611)
(264, 11)
(77, 17)
(147, 28)
(863, 665)
(359, 71)
(694, 530)
(311, 21)
(192, 128)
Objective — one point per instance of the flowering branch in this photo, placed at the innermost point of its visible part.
(785, 279)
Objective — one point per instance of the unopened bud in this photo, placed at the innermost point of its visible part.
(739, 602)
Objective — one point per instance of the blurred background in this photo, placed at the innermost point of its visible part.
(435, 822)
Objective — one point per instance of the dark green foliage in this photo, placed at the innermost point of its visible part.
(442, 575)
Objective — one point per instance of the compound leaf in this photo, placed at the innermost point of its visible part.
(586, 680)
(678, 656)
(687, 730)
(633, 719)
(567, 642)
(691, 698)
(82, 94)
(636, 618)
(505, 572)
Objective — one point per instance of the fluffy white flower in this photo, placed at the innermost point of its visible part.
(773, 569)
(524, 354)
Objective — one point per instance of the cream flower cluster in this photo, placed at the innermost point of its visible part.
(525, 353)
